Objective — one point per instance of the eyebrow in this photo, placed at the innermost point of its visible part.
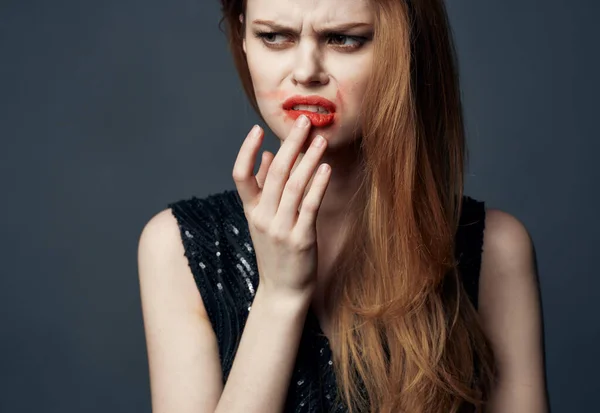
(337, 28)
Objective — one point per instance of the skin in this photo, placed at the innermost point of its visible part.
(183, 354)
(307, 63)
(312, 55)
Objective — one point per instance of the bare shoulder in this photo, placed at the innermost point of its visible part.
(510, 313)
(506, 231)
(507, 263)
(161, 259)
(183, 358)
(507, 246)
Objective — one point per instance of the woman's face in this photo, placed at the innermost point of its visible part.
(320, 49)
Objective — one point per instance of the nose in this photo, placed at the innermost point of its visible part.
(308, 67)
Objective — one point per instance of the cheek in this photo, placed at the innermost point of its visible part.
(352, 84)
(270, 95)
(264, 73)
(265, 67)
(349, 95)
(269, 101)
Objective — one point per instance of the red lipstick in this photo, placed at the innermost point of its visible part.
(316, 119)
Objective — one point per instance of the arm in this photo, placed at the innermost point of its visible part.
(183, 357)
(511, 315)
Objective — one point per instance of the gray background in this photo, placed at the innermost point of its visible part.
(111, 109)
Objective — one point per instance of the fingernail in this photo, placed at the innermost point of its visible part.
(255, 131)
(319, 141)
(303, 121)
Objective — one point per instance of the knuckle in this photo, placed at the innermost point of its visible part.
(309, 206)
(300, 242)
(238, 176)
(260, 227)
(294, 186)
(254, 218)
(278, 170)
(277, 235)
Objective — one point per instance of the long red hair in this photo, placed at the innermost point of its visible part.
(404, 329)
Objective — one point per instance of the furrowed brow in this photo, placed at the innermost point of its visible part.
(330, 29)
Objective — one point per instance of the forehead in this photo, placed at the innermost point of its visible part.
(314, 12)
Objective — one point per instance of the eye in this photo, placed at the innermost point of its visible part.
(280, 40)
(346, 42)
(272, 39)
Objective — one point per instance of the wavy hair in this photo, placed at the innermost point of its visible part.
(405, 336)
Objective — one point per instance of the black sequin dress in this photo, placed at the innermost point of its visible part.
(220, 253)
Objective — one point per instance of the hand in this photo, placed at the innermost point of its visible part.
(282, 231)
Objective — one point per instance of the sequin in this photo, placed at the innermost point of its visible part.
(217, 243)
(250, 286)
(242, 270)
(246, 265)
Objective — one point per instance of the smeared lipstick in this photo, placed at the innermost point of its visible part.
(316, 119)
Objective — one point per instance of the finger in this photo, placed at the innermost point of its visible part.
(267, 158)
(243, 169)
(282, 164)
(312, 202)
(295, 188)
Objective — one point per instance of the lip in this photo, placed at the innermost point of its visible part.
(316, 119)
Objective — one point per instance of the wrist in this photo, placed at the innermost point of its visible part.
(287, 301)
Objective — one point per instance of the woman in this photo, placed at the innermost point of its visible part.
(379, 289)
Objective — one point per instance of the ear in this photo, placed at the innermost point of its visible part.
(244, 36)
